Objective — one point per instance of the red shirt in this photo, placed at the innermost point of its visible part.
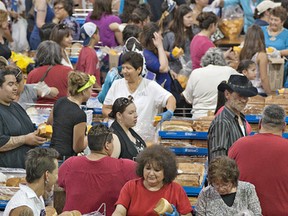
(56, 77)
(262, 160)
(88, 183)
(140, 201)
(88, 62)
(198, 47)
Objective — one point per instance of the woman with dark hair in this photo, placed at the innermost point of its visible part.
(48, 58)
(157, 168)
(148, 96)
(131, 44)
(179, 35)
(62, 35)
(226, 195)
(140, 15)
(201, 42)
(102, 17)
(128, 7)
(154, 53)
(254, 49)
(129, 143)
(67, 117)
(63, 13)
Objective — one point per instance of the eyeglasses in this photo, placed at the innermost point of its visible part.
(58, 8)
(222, 185)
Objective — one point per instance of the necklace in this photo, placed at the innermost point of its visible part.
(272, 35)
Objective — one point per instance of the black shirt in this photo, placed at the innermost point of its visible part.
(14, 121)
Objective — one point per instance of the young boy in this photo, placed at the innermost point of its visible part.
(88, 61)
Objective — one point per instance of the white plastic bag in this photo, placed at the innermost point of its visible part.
(19, 35)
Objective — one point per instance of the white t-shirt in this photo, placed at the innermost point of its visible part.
(148, 98)
(26, 197)
(201, 90)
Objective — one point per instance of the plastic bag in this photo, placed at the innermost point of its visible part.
(232, 22)
(21, 60)
(19, 35)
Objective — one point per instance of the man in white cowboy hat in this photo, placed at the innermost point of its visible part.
(230, 125)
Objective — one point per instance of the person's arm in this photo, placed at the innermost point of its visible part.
(78, 137)
(50, 118)
(201, 204)
(262, 61)
(284, 52)
(119, 37)
(218, 139)
(157, 40)
(120, 211)
(117, 147)
(253, 201)
(106, 109)
(41, 7)
(16, 141)
(52, 93)
(171, 103)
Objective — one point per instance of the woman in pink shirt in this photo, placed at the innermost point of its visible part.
(201, 42)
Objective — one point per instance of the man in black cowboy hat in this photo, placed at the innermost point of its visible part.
(230, 125)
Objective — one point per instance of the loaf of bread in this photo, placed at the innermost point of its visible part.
(190, 180)
(3, 179)
(175, 143)
(191, 159)
(177, 125)
(45, 130)
(15, 181)
(191, 168)
(190, 174)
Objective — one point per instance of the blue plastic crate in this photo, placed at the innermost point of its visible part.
(256, 118)
(3, 204)
(97, 111)
(80, 21)
(183, 135)
(73, 59)
(190, 151)
(253, 118)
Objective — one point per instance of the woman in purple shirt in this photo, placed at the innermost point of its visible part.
(102, 17)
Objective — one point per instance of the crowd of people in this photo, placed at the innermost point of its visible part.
(121, 164)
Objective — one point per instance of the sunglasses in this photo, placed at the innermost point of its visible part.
(126, 101)
(62, 26)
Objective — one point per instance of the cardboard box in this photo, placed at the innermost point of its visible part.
(276, 73)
